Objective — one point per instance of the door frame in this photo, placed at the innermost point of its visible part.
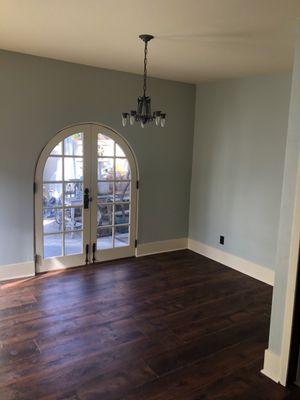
(38, 177)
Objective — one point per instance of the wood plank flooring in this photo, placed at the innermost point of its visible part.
(164, 327)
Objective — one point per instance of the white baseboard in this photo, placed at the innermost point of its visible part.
(272, 364)
(161, 247)
(27, 269)
(16, 271)
(256, 271)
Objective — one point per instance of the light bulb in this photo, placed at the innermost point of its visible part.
(157, 115)
(163, 120)
(132, 117)
(124, 118)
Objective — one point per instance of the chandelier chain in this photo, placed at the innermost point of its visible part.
(145, 69)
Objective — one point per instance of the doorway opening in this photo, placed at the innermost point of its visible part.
(85, 198)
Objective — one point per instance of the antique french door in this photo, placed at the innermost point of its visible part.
(85, 198)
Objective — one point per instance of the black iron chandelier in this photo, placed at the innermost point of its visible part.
(143, 114)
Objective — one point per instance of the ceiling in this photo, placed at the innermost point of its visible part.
(196, 40)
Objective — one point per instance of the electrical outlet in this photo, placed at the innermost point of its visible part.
(222, 239)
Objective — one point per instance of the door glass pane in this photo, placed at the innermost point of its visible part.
(122, 191)
(73, 169)
(73, 193)
(122, 213)
(57, 149)
(104, 238)
(105, 146)
(119, 151)
(52, 245)
(52, 194)
(73, 243)
(122, 168)
(53, 169)
(105, 192)
(104, 214)
(121, 236)
(73, 145)
(105, 169)
(73, 219)
(52, 220)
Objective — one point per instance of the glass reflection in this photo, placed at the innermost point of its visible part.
(121, 213)
(119, 151)
(73, 145)
(52, 194)
(105, 192)
(52, 220)
(104, 214)
(104, 238)
(122, 191)
(53, 169)
(105, 146)
(73, 218)
(52, 245)
(73, 169)
(122, 168)
(73, 243)
(57, 149)
(105, 169)
(121, 236)
(73, 193)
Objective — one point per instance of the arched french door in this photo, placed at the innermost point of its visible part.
(85, 198)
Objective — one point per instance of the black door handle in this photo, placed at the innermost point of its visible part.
(86, 198)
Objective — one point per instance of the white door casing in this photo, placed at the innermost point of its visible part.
(107, 236)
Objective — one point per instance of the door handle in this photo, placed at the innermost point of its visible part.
(86, 198)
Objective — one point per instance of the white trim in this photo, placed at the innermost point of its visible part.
(256, 271)
(272, 366)
(291, 286)
(289, 226)
(16, 271)
(163, 246)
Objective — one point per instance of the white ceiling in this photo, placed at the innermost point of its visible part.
(196, 40)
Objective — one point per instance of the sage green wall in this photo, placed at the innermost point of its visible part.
(239, 149)
(40, 96)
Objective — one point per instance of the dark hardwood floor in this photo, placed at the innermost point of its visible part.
(164, 327)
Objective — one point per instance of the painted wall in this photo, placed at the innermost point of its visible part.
(238, 159)
(41, 96)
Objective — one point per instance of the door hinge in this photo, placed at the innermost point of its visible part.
(36, 258)
(135, 243)
(34, 187)
(137, 184)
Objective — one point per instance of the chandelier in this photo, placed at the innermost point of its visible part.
(143, 113)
